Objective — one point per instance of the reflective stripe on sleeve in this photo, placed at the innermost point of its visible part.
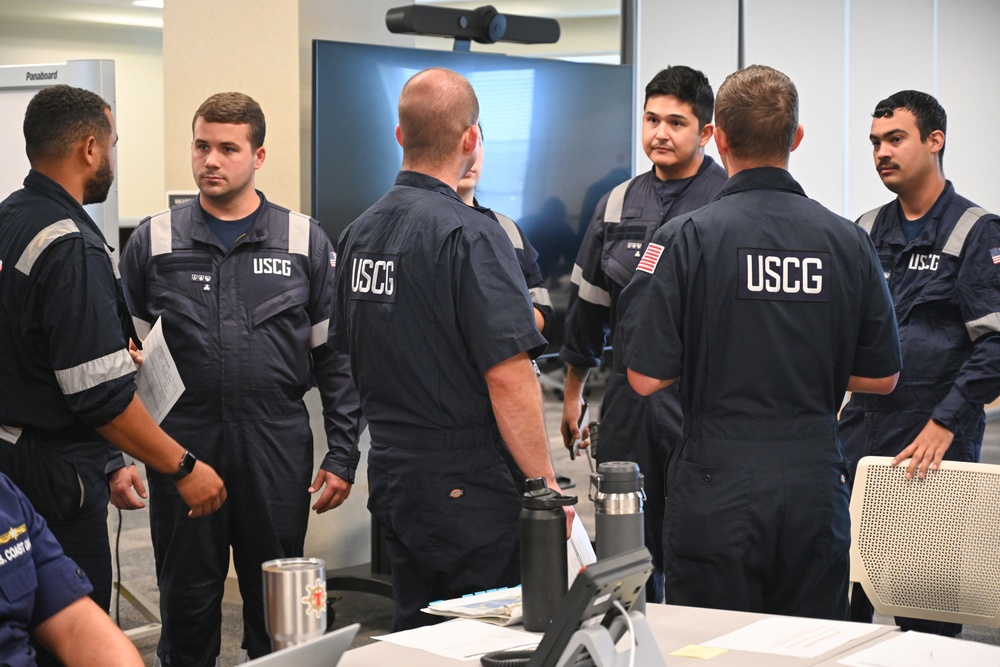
(142, 327)
(589, 292)
(318, 333)
(961, 230)
(95, 372)
(160, 242)
(114, 262)
(540, 296)
(42, 241)
(10, 434)
(298, 234)
(510, 227)
(984, 325)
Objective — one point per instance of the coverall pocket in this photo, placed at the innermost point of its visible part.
(54, 486)
(463, 523)
(17, 574)
(832, 501)
(279, 341)
(708, 512)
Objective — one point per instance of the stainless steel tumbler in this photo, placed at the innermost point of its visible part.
(294, 600)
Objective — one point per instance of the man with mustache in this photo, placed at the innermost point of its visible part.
(940, 254)
(68, 378)
(676, 126)
(244, 290)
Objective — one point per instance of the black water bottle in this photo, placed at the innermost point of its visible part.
(544, 576)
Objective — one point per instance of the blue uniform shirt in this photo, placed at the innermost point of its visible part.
(36, 579)
(429, 297)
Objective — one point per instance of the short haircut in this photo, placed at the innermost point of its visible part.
(436, 106)
(688, 85)
(928, 111)
(758, 110)
(59, 117)
(235, 108)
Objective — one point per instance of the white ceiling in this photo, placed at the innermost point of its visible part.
(123, 12)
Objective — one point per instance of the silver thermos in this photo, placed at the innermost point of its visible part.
(294, 600)
(616, 489)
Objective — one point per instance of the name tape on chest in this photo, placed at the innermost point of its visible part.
(782, 275)
(374, 277)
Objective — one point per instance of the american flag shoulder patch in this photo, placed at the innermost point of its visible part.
(995, 254)
(333, 260)
(650, 258)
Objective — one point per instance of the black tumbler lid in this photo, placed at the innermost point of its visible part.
(537, 496)
(619, 476)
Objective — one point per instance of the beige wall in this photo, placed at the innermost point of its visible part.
(139, 90)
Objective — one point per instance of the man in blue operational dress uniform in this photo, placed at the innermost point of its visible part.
(676, 126)
(45, 597)
(435, 314)
(68, 378)
(764, 307)
(941, 257)
(244, 291)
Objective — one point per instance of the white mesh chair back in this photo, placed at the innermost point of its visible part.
(928, 548)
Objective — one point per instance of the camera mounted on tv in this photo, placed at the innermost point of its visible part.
(484, 25)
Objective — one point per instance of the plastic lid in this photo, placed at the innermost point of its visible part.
(619, 476)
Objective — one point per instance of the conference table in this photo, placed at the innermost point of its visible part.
(674, 627)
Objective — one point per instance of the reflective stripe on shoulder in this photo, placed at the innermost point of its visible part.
(540, 296)
(319, 333)
(510, 227)
(867, 221)
(114, 262)
(616, 202)
(95, 372)
(298, 234)
(10, 434)
(42, 241)
(588, 292)
(984, 325)
(956, 240)
(160, 234)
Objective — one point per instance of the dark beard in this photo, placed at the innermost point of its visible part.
(96, 190)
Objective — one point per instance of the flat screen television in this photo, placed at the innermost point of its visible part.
(557, 137)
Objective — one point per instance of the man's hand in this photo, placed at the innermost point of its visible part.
(570, 428)
(135, 353)
(202, 490)
(926, 451)
(122, 482)
(333, 495)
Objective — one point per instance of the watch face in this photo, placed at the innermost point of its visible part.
(187, 465)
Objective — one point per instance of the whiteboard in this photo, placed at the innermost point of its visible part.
(18, 84)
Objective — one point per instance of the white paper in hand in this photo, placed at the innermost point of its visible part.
(158, 382)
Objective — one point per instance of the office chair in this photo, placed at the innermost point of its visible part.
(928, 548)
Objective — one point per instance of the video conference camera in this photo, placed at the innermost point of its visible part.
(484, 25)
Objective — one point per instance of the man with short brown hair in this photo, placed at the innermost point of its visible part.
(764, 307)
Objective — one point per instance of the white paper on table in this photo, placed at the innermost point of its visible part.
(158, 382)
(795, 637)
(463, 639)
(916, 649)
(579, 550)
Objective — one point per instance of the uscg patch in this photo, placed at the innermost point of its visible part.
(374, 277)
(782, 275)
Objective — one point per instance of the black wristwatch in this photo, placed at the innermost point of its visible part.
(187, 465)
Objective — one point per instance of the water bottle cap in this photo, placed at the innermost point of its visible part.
(538, 496)
(619, 476)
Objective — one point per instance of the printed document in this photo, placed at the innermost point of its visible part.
(916, 649)
(159, 384)
(463, 639)
(795, 637)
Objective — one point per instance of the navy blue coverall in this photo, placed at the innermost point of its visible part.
(945, 284)
(37, 580)
(430, 297)
(248, 330)
(65, 366)
(633, 428)
(764, 304)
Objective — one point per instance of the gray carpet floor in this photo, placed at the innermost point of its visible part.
(374, 612)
